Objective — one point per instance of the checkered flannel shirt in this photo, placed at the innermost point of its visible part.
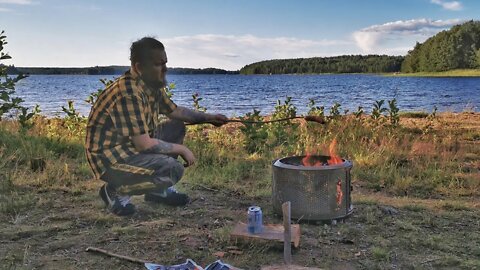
(124, 109)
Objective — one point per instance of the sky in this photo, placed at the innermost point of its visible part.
(227, 34)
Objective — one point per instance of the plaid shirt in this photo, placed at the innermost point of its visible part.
(124, 109)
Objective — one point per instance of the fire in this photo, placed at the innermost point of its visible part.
(309, 160)
(334, 158)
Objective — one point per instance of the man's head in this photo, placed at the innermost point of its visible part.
(148, 57)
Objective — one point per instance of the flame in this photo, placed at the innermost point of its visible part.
(309, 159)
(334, 158)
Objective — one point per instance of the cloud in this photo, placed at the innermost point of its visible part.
(16, 2)
(235, 51)
(370, 39)
(5, 9)
(449, 5)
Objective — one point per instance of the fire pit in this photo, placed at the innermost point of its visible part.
(317, 188)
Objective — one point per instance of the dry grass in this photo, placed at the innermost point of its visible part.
(427, 169)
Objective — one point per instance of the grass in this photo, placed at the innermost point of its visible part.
(426, 168)
(449, 73)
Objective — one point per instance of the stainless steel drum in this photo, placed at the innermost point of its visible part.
(315, 192)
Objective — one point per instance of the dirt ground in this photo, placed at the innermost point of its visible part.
(383, 233)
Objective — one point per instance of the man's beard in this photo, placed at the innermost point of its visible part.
(158, 84)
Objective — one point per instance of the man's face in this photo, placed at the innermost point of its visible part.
(154, 70)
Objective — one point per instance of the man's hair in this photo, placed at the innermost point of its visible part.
(141, 50)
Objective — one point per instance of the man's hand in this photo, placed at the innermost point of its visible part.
(187, 155)
(217, 120)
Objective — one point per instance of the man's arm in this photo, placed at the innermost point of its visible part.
(143, 143)
(196, 117)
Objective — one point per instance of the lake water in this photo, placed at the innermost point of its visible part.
(235, 95)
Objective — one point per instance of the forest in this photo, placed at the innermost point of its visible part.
(457, 48)
(337, 64)
(105, 70)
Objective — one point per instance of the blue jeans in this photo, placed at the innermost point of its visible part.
(146, 172)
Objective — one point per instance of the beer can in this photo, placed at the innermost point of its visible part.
(255, 224)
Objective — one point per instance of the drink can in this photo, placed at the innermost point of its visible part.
(255, 224)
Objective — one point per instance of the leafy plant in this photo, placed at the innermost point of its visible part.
(196, 103)
(315, 110)
(94, 96)
(255, 134)
(430, 121)
(7, 86)
(278, 132)
(378, 110)
(73, 122)
(169, 88)
(335, 110)
(359, 112)
(393, 110)
(26, 119)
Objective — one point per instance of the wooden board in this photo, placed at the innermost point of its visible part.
(270, 232)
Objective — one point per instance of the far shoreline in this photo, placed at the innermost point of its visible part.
(456, 73)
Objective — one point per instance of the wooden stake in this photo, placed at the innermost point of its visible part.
(287, 234)
(102, 251)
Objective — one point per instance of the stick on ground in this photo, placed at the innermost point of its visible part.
(105, 252)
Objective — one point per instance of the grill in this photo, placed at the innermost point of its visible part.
(316, 193)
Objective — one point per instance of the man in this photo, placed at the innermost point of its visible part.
(128, 146)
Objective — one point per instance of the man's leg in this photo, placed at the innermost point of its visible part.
(144, 173)
(138, 175)
(151, 174)
(172, 131)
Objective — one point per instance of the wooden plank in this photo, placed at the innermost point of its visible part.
(287, 234)
(270, 232)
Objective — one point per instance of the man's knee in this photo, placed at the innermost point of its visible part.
(177, 170)
(169, 173)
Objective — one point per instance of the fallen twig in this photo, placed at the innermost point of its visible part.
(429, 261)
(123, 257)
(205, 187)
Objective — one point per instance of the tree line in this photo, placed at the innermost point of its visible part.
(336, 64)
(457, 48)
(106, 70)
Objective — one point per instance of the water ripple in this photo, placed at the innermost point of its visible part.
(236, 95)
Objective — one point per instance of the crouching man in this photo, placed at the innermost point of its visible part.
(128, 147)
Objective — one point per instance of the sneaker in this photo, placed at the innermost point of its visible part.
(170, 196)
(119, 205)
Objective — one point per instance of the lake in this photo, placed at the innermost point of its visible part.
(235, 95)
